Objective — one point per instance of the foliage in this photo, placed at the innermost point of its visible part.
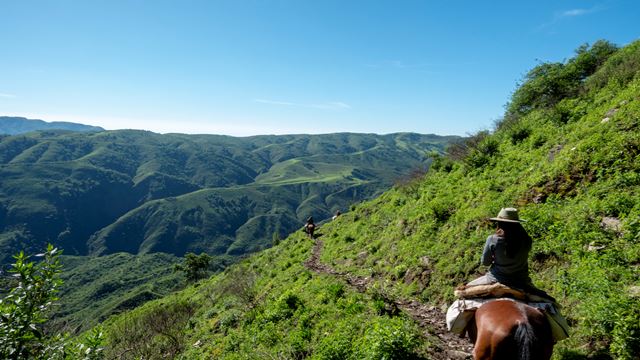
(26, 307)
(389, 339)
(548, 83)
(157, 332)
(195, 267)
(574, 178)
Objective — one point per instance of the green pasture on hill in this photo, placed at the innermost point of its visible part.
(567, 154)
(103, 193)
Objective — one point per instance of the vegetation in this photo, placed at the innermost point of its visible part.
(569, 162)
(195, 267)
(266, 306)
(99, 194)
(25, 309)
(139, 192)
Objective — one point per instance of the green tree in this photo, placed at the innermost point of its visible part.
(24, 310)
(195, 266)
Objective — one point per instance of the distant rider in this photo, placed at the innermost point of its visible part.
(310, 227)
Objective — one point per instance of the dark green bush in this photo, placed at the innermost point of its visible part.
(621, 68)
(548, 83)
(336, 291)
(389, 339)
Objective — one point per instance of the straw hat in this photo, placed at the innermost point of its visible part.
(507, 215)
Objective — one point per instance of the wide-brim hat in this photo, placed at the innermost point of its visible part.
(508, 215)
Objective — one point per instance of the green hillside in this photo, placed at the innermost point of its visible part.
(101, 194)
(106, 192)
(567, 154)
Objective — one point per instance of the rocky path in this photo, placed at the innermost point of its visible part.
(429, 318)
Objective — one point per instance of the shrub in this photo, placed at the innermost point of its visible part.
(519, 134)
(25, 308)
(626, 334)
(336, 291)
(389, 339)
(194, 266)
(619, 69)
(548, 83)
(157, 331)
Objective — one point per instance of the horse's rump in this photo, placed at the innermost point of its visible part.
(506, 329)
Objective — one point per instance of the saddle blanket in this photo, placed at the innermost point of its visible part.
(463, 310)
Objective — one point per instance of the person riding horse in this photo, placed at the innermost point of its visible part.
(310, 227)
(501, 323)
(507, 253)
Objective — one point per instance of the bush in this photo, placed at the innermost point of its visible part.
(25, 308)
(548, 83)
(620, 69)
(626, 334)
(194, 266)
(389, 339)
(156, 331)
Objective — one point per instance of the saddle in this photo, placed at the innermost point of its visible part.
(499, 290)
(472, 297)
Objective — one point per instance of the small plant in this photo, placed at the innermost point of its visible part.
(25, 308)
(389, 339)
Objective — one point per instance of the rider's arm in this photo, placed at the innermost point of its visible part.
(487, 253)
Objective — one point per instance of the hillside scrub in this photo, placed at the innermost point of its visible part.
(575, 181)
(125, 204)
(269, 306)
(569, 161)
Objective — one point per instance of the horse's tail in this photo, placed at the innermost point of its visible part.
(527, 342)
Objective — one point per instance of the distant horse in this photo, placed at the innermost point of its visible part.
(309, 229)
(506, 329)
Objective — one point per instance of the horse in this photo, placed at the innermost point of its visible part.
(309, 229)
(507, 329)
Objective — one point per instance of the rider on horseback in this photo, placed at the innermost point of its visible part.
(309, 227)
(507, 252)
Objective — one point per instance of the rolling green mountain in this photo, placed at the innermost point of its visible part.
(140, 192)
(12, 125)
(374, 283)
(96, 195)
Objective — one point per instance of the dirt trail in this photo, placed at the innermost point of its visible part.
(429, 318)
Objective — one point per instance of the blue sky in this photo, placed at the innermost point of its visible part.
(245, 67)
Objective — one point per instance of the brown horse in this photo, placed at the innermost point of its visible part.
(506, 329)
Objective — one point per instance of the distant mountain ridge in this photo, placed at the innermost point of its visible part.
(12, 125)
(103, 192)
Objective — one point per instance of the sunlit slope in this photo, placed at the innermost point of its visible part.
(67, 188)
(567, 155)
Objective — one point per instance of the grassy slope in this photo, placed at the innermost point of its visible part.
(150, 276)
(569, 178)
(267, 306)
(63, 187)
(143, 193)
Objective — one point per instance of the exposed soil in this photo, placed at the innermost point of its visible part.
(430, 319)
